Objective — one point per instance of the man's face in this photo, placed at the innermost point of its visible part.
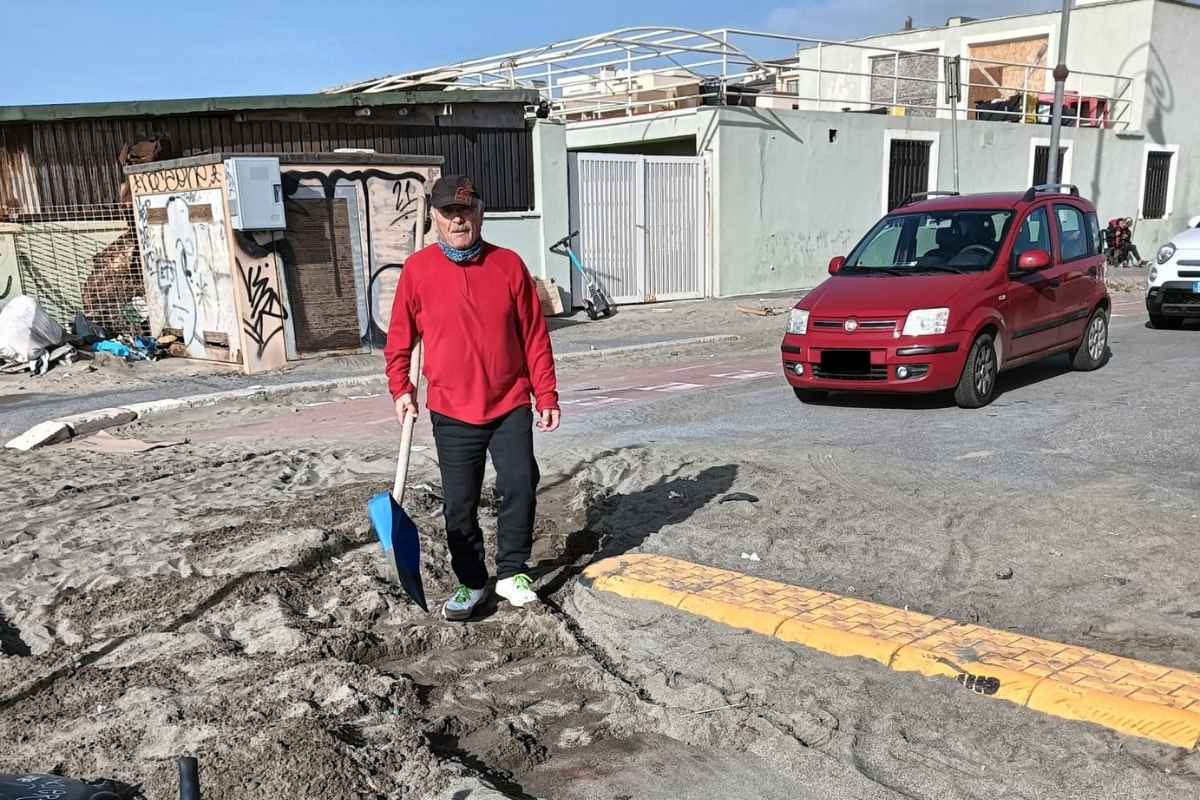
(459, 225)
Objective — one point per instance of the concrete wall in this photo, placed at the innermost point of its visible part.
(785, 199)
(631, 131)
(519, 232)
(1172, 62)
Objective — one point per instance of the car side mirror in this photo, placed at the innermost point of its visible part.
(836, 263)
(1033, 260)
(1194, 222)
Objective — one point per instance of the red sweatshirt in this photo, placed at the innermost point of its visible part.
(486, 345)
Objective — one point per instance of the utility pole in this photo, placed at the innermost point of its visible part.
(1060, 79)
(953, 92)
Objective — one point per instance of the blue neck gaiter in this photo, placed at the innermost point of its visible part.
(461, 256)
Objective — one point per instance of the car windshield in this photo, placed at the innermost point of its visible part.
(947, 241)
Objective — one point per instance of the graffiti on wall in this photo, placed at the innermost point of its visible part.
(391, 203)
(177, 179)
(10, 280)
(264, 314)
(189, 285)
(263, 309)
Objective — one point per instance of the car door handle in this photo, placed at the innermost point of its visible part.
(1054, 283)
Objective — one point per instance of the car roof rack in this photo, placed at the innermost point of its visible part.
(926, 195)
(1049, 188)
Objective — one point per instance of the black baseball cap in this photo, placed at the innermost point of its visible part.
(453, 190)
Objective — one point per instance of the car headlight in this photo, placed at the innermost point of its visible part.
(927, 322)
(1165, 252)
(798, 321)
(1153, 274)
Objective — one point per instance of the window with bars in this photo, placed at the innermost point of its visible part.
(1157, 181)
(908, 170)
(1041, 164)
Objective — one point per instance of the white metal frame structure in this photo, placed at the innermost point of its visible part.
(648, 69)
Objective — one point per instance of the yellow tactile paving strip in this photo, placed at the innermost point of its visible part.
(1129, 696)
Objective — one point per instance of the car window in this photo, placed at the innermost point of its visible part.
(881, 249)
(1033, 235)
(1093, 234)
(1072, 232)
(953, 241)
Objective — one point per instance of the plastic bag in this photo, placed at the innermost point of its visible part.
(27, 331)
(118, 349)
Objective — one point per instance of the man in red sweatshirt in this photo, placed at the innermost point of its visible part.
(475, 308)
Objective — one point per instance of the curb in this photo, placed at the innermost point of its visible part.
(1132, 697)
(62, 429)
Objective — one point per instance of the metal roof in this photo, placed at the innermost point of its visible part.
(162, 108)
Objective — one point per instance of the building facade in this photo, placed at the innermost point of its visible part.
(801, 144)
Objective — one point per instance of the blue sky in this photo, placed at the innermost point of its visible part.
(61, 51)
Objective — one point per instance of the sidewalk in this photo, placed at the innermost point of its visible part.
(88, 385)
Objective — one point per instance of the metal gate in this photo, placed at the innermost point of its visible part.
(641, 225)
(908, 170)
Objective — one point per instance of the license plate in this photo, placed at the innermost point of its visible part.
(846, 361)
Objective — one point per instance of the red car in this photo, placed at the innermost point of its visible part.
(947, 291)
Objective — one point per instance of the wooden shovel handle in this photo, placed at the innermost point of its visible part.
(406, 435)
(414, 377)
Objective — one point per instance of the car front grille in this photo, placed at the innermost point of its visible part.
(1179, 297)
(874, 374)
(863, 324)
(848, 365)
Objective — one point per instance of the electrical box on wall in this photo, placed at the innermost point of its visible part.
(255, 194)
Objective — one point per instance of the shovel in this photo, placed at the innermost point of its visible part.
(396, 531)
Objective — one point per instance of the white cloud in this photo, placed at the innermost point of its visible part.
(845, 19)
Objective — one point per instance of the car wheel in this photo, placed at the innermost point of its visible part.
(977, 385)
(1165, 323)
(809, 395)
(1094, 346)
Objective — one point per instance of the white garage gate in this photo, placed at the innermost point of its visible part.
(641, 225)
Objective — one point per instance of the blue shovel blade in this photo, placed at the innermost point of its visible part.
(398, 537)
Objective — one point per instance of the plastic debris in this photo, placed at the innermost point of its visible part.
(113, 347)
(27, 332)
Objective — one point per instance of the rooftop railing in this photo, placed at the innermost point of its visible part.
(636, 71)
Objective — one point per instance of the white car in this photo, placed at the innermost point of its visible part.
(1173, 294)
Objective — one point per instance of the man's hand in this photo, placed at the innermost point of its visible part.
(548, 420)
(406, 406)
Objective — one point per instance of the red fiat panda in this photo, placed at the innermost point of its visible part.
(947, 291)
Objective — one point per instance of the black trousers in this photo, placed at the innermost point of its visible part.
(462, 449)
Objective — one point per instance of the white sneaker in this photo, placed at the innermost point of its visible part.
(461, 604)
(517, 590)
